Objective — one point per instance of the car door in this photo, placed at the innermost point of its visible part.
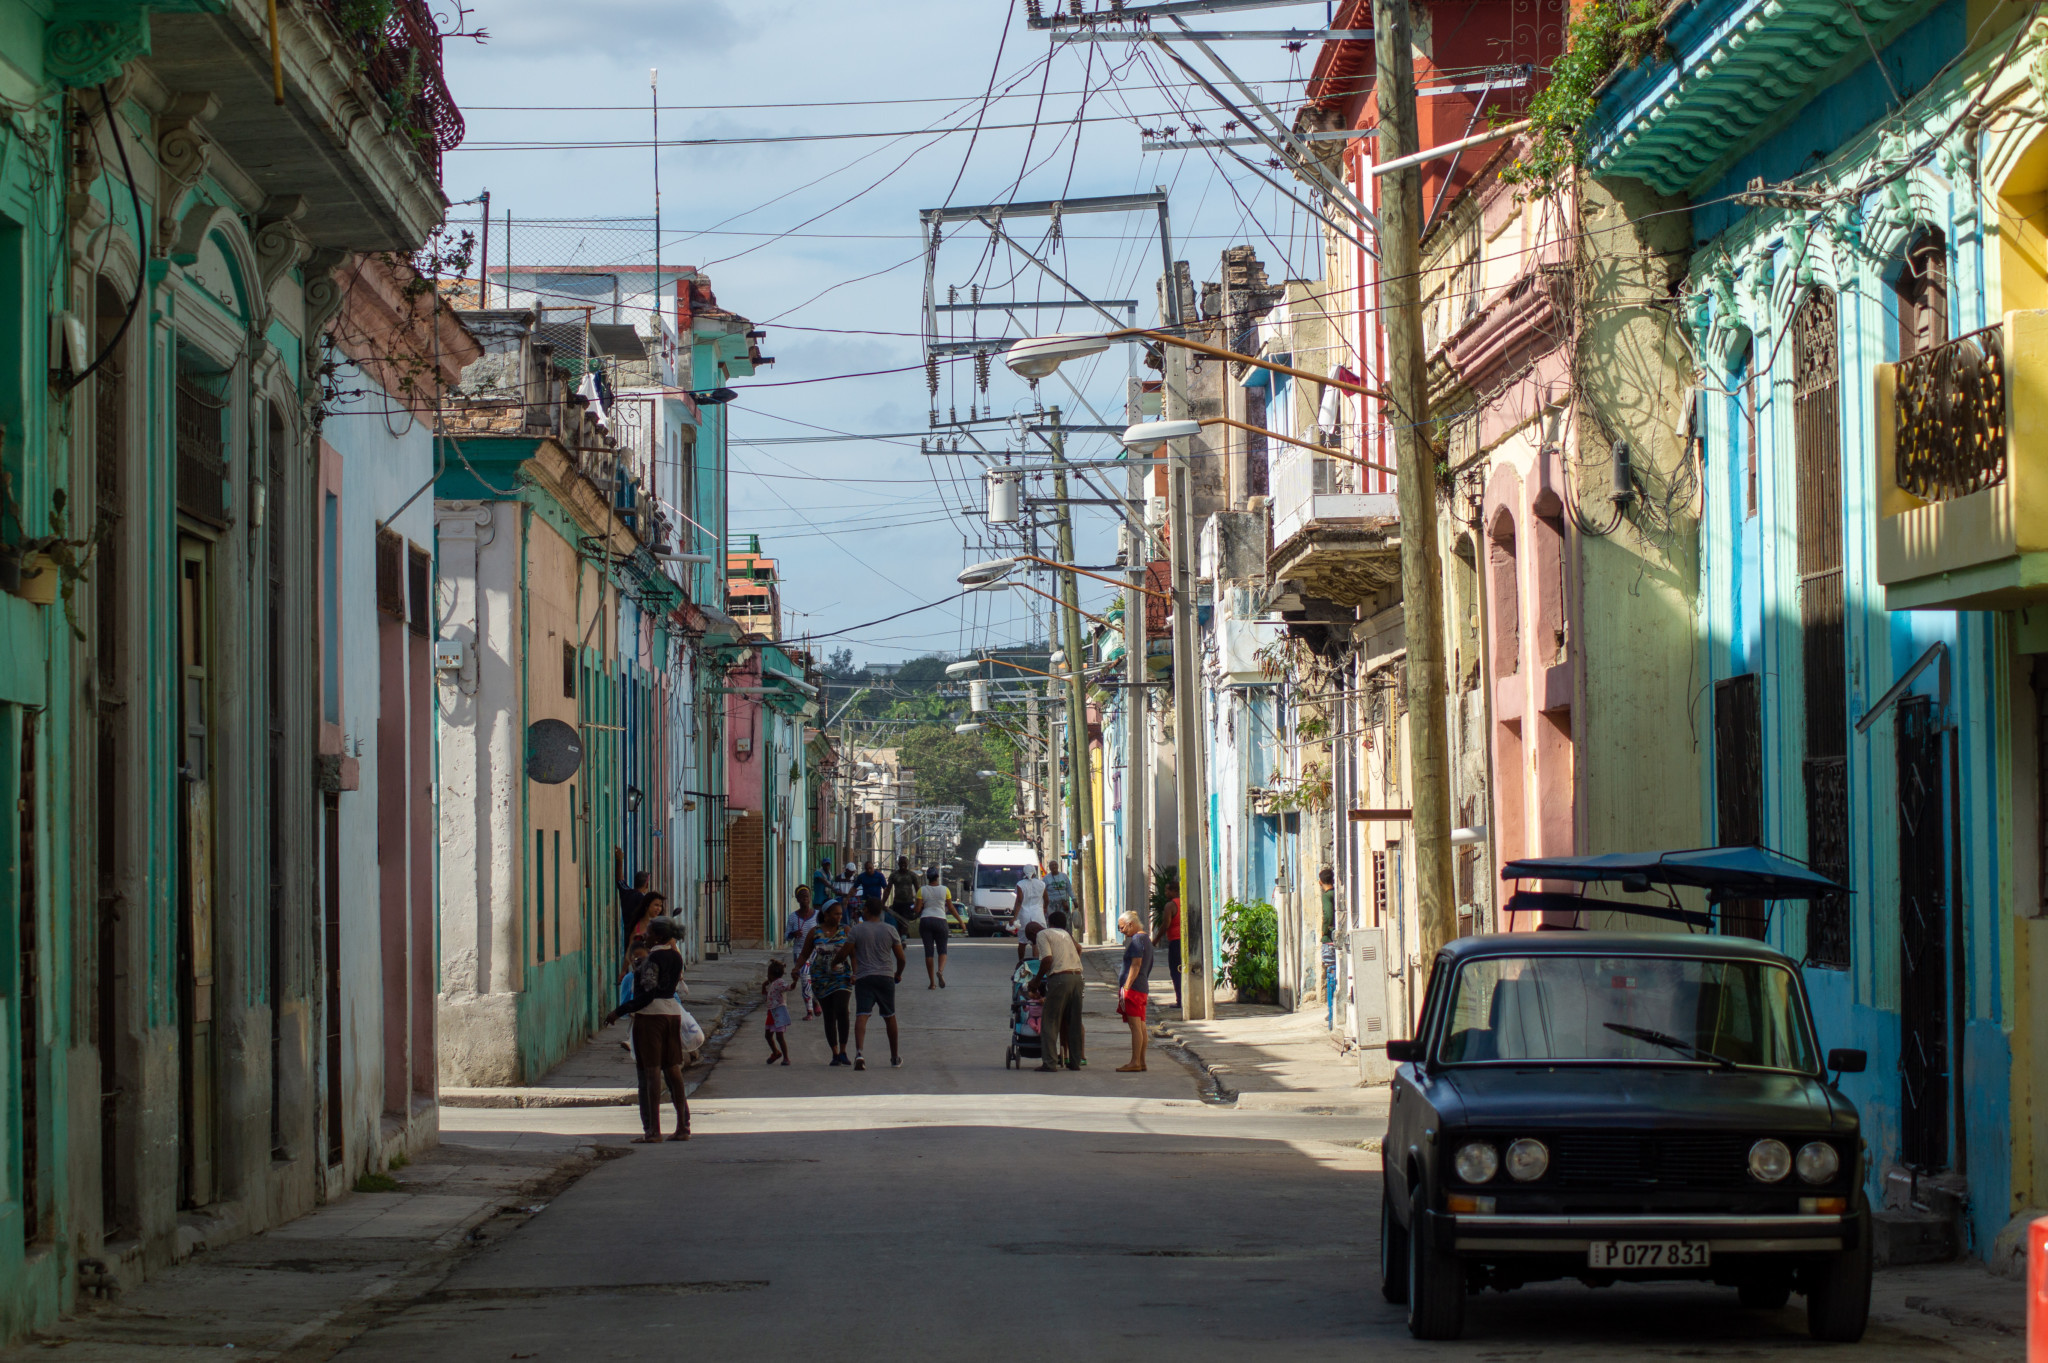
(1409, 1113)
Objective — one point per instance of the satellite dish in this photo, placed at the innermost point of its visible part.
(554, 750)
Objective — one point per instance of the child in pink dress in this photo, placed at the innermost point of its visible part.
(777, 989)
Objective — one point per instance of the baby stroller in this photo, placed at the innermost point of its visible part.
(1024, 1039)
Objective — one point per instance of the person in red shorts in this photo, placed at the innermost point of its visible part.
(1134, 987)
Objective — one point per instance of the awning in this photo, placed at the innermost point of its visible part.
(714, 624)
(1724, 872)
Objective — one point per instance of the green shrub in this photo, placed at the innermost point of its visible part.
(1251, 951)
(1607, 34)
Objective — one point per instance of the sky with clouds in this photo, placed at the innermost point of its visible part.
(817, 241)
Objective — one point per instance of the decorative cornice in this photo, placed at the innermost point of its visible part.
(182, 153)
(279, 243)
(1743, 69)
(92, 51)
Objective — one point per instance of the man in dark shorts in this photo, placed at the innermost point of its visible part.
(877, 951)
(903, 886)
(935, 916)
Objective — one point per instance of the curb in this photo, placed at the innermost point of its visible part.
(538, 1097)
(735, 1004)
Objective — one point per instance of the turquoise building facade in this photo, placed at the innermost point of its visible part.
(1842, 228)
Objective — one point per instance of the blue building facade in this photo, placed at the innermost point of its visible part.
(1844, 240)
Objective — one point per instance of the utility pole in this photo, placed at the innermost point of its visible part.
(1137, 710)
(1196, 982)
(1082, 801)
(1422, 612)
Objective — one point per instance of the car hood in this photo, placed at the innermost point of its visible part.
(1641, 1096)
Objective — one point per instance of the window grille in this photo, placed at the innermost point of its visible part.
(419, 582)
(1738, 787)
(391, 574)
(202, 453)
(1817, 432)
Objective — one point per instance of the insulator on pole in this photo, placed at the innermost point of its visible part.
(977, 697)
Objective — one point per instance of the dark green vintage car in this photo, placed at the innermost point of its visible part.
(1621, 1107)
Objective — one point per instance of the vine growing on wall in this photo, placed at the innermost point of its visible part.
(410, 365)
(1607, 34)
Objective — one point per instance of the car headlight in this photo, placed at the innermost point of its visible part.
(1818, 1162)
(1476, 1162)
(1527, 1159)
(1769, 1160)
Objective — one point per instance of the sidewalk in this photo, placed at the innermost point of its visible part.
(600, 1072)
(300, 1292)
(1257, 1056)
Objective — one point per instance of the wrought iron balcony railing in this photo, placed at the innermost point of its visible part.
(1951, 418)
(402, 59)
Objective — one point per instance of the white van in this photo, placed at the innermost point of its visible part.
(998, 866)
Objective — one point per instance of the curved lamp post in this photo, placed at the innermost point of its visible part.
(1040, 356)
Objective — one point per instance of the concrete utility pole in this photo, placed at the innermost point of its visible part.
(1407, 387)
(1196, 993)
(1137, 710)
(1082, 799)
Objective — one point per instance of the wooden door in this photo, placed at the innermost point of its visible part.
(198, 1125)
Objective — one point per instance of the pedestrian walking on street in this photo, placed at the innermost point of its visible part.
(658, 1032)
(903, 888)
(1134, 983)
(871, 885)
(831, 982)
(776, 991)
(1059, 891)
(1060, 1039)
(876, 950)
(935, 919)
(822, 892)
(1170, 935)
(800, 924)
(1030, 909)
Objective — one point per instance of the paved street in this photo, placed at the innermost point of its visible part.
(955, 1210)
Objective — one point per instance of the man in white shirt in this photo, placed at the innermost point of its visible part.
(1030, 909)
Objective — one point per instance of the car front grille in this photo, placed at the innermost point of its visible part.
(1621, 1160)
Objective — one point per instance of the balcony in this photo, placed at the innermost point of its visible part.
(1727, 74)
(1962, 471)
(366, 116)
(1340, 544)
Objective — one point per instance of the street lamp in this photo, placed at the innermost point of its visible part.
(999, 586)
(996, 569)
(1151, 434)
(971, 727)
(1038, 357)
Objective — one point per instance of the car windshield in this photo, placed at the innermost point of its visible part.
(1628, 1009)
(999, 877)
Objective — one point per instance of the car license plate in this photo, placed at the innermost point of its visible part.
(1648, 1254)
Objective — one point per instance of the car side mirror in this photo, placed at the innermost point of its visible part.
(1845, 1061)
(1403, 1050)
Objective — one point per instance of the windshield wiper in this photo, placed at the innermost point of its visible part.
(1665, 1039)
